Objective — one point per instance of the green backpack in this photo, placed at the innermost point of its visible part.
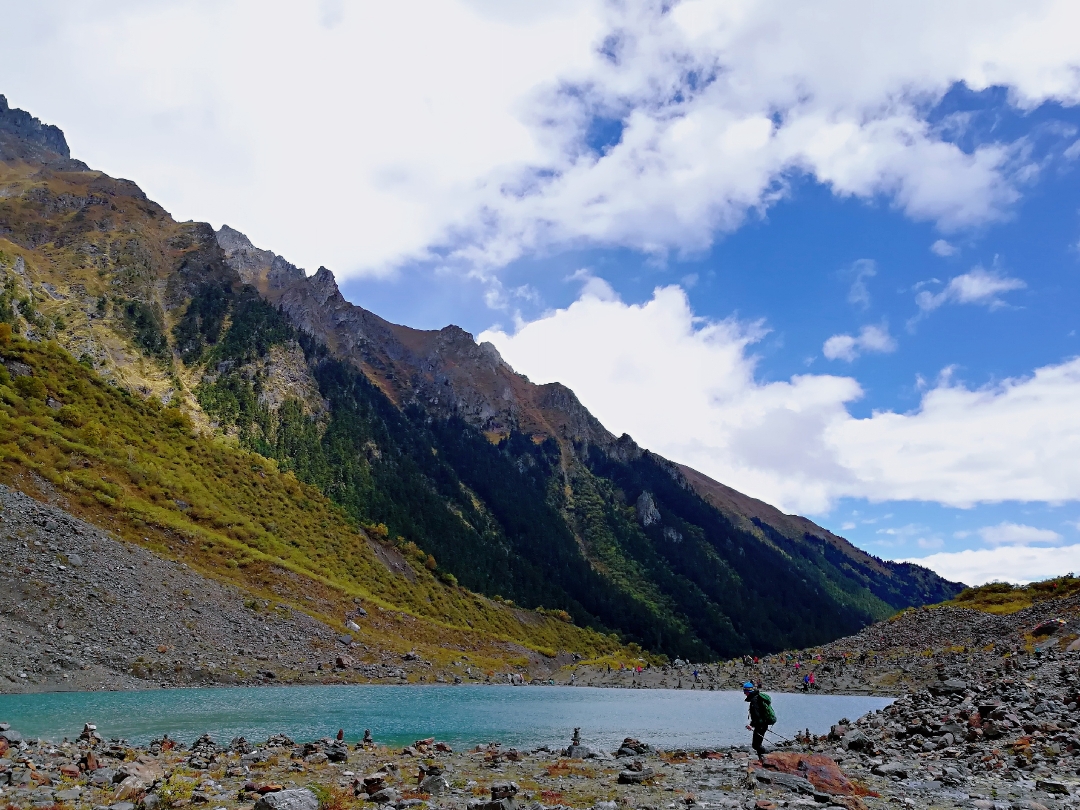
(770, 712)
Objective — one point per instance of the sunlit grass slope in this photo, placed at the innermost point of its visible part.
(1002, 598)
(137, 468)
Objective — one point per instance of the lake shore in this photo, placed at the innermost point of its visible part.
(1005, 738)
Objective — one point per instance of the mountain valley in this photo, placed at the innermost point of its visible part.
(208, 401)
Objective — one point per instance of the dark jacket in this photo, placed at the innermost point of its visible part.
(759, 716)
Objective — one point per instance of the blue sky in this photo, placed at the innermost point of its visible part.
(828, 254)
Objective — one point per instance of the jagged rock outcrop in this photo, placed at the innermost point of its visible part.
(445, 370)
(24, 137)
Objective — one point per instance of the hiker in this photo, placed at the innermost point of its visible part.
(761, 716)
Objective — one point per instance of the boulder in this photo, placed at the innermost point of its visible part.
(434, 785)
(385, 796)
(897, 769)
(1051, 786)
(292, 799)
(856, 740)
(821, 771)
(796, 784)
(130, 789)
(503, 790)
(632, 777)
(144, 768)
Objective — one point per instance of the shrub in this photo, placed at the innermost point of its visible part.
(30, 388)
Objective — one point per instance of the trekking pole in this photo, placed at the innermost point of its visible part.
(782, 741)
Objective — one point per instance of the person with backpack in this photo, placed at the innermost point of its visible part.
(762, 716)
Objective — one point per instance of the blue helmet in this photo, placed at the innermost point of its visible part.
(748, 686)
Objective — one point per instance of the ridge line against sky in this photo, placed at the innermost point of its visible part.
(838, 240)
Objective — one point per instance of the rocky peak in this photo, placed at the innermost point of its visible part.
(25, 126)
(232, 241)
(325, 286)
(260, 268)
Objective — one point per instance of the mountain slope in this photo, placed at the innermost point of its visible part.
(510, 488)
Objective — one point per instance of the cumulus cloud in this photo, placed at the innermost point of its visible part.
(1017, 534)
(1017, 564)
(943, 248)
(981, 287)
(848, 347)
(686, 387)
(365, 135)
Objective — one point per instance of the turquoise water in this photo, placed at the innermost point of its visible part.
(462, 715)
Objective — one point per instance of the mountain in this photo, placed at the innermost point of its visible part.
(423, 439)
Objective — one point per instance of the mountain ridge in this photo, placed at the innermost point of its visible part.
(283, 284)
(512, 489)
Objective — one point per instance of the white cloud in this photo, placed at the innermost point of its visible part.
(686, 388)
(1017, 534)
(1017, 564)
(980, 286)
(943, 248)
(365, 135)
(848, 347)
(859, 294)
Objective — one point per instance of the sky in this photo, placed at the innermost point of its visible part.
(828, 253)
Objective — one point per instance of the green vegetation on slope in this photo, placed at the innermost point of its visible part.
(136, 468)
(1003, 598)
(499, 519)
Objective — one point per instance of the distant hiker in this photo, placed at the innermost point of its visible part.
(761, 716)
(810, 681)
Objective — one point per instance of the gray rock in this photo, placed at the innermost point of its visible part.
(434, 785)
(897, 769)
(785, 780)
(1051, 786)
(292, 799)
(20, 777)
(630, 777)
(856, 740)
(102, 777)
(503, 790)
(11, 736)
(647, 513)
(385, 796)
(497, 804)
(68, 795)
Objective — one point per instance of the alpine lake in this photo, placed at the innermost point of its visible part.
(520, 716)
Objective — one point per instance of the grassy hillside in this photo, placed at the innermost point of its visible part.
(136, 467)
(1002, 598)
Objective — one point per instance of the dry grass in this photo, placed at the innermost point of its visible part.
(1002, 598)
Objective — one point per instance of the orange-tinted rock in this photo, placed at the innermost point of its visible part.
(821, 771)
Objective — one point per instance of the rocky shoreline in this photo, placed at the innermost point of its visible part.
(1002, 738)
